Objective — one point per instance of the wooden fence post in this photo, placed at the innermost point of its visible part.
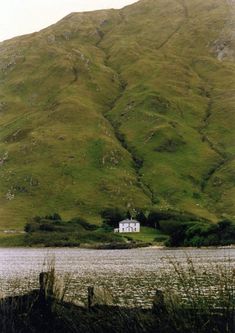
(158, 302)
(90, 296)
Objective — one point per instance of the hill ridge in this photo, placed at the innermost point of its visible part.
(102, 110)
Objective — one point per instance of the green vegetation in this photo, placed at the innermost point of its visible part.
(174, 228)
(12, 240)
(112, 216)
(147, 235)
(171, 228)
(200, 234)
(103, 110)
(52, 231)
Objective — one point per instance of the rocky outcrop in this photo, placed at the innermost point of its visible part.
(224, 47)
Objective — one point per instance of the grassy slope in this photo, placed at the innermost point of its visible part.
(177, 109)
(147, 235)
(128, 108)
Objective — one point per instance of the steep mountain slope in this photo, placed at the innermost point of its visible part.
(131, 108)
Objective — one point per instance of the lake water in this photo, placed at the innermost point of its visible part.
(132, 276)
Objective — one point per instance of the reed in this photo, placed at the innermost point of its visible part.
(200, 298)
(193, 298)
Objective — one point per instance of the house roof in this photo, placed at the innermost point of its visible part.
(129, 221)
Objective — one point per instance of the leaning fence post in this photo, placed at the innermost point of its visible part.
(90, 296)
(46, 290)
(158, 302)
(43, 278)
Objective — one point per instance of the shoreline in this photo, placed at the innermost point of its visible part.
(119, 247)
(17, 241)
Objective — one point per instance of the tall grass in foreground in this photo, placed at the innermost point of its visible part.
(16, 312)
(195, 299)
(200, 298)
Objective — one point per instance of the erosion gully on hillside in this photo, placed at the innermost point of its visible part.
(128, 108)
(119, 136)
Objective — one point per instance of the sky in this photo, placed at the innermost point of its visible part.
(18, 17)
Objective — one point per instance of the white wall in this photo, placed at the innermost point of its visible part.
(129, 227)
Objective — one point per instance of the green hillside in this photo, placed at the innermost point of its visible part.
(130, 108)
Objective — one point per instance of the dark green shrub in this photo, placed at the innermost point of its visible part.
(196, 241)
(141, 217)
(177, 237)
(112, 216)
(31, 227)
(82, 222)
(47, 227)
(53, 217)
(161, 238)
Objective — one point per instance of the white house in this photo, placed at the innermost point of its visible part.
(128, 226)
